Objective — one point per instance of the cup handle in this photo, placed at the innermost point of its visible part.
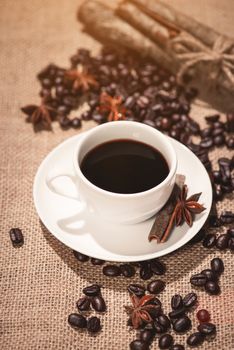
(53, 187)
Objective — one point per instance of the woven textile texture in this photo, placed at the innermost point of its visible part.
(41, 281)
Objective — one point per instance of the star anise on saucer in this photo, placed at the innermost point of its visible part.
(42, 114)
(112, 106)
(139, 312)
(81, 79)
(184, 211)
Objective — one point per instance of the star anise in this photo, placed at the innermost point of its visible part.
(140, 309)
(184, 211)
(112, 106)
(81, 79)
(41, 114)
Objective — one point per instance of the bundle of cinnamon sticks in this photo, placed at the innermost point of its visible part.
(197, 54)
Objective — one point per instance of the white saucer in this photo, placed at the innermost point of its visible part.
(90, 235)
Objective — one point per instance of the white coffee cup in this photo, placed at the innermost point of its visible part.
(117, 207)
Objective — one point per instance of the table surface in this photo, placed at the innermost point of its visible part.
(41, 281)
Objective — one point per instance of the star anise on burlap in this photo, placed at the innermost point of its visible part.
(42, 114)
(112, 106)
(184, 211)
(139, 312)
(81, 79)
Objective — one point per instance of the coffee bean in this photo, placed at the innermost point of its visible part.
(212, 287)
(176, 302)
(209, 241)
(219, 140)
(127, 270)
(16, 236)
(77, 321)
(157, 267)
(136, 289)
(93, 324)
(65, 122)
(198, 280)
(230, 232)
(95, 261)
(230, 142)
(83, 304)
(145, 271)
(81, 257)
(222, 242)
(156, 286)
(177, 347)
(177, 313)
(212, 118)
(147, 335)
(164, 321)
(227, 217)
(217, 266)
(111, 270)
(206, 143)
(203, 316)
(182, 324)
(210, 275)
(195, 339)
(76, 123)
(92, 290)
(159, 328)
(207, 328)
(165, 341)
(98, 303)
(139, 345)
(231, 243)
(190, 299)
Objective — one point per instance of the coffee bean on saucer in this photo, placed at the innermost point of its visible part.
(212, 287)
(98, 303)
(83, 304)
(190, 299)
(210, 275)
(93, 324)
(176, 302)
(207, 328)
(77, 321)
(198, 280)
(217, 266)
(209, 241)
(165, 341)
(95, 261)
(16, 236)
(195, 339)
(92, 290)
(127, 270)
(111, 270)
(81, 257)
(156, 286)
(157, 267)
(136, 289)
(222, 242)
(139, 344)
(182, 324)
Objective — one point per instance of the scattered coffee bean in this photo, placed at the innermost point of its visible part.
(157, 267)
(165, 341)
(217, 266)
(16, 236)
(177, 313)
(207, 328)
(92, 290)
(230, 232)
(83, 304)
(210, 275)
(227, 217)
(212, 287)
(203, 316)
(177, 347)
(76, 123)
(81, 257)
(222, 242)
(198, 280)
(98, 303)
(93, 324)
(231, 243)
(156, 286)
(77, 321)
(195, 339)
(147, 335)
(127, 270)
(159, 328)
(95, 261)
(190, 299)
(182, 324)
(209, 241)
(136, 289)
(176, 302)
(111, 270)
(164, 321)
(145, 271)
(139, 345)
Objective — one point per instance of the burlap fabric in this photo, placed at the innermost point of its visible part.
(41, 281)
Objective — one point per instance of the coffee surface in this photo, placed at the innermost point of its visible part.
(124, 166)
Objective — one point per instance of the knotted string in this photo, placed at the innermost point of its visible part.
(219, 61)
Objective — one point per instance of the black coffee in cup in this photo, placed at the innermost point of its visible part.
(124, 166)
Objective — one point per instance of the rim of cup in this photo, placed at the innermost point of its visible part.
(159, 134)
